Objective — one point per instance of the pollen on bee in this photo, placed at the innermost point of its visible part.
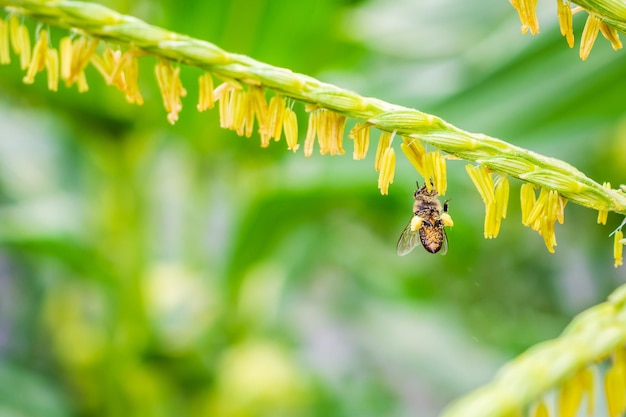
(416, 222)
(618, 248)
(604, 214)
(360, 134)
(5, 53)
(447, 219)
(387, 170)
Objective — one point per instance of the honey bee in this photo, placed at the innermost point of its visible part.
(427, 224)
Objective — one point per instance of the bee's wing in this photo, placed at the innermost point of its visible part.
(408, 240)
(444, 243)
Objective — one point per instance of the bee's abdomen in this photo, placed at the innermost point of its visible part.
(432, 238)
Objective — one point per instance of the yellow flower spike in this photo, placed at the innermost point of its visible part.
(495, 195)
(610, 33)
(131, 75)
(552, 206)
(482, 181)
(5, 52)
(38, 60)
(171, 88)
(52, 68)
(615, 385)
(540, 410)
(590, 33)
(387, 170)
(290, 126)
(416, 154)
(14, 30)
(243, 122)
(492, 222)
(250, 111)
(330, 129)
(65, 51)
(527, 201)
(546, 211)
(311, 133)
(537, 212)
(105, 64)
(205, 92)
(560, 213)
(527, 14)
(383, 143)
(336, 127)
(275, 117)
(238, 111)
(74, 58)
(360, 133)
(25, 52)
(564, 10)
(585, 380)
(604, 214)
(502, 196)
(222, 96)
(323, 128)
(256, 97)
(569, 397)
(81, 82)
(618, 248)
(440, 176)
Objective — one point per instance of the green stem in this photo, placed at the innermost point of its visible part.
(99, 21)
(612, 12)
(591, 337)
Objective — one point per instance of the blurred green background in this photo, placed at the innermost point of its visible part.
(157, 270)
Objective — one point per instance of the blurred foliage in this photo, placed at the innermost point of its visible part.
(156, 270)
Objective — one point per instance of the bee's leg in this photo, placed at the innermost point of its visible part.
(445, 206)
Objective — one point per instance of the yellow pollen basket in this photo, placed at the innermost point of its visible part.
(416, 223)
(447, 219)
